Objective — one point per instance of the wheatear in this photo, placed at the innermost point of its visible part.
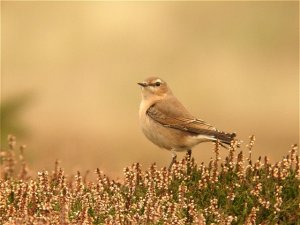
(167, 123)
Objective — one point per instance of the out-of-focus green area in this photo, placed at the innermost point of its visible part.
(10, 116)
(233, 64)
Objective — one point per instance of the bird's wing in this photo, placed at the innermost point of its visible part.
(171, 113)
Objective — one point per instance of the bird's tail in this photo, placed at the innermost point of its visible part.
(227, 139)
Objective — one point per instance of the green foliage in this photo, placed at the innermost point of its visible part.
(10, 116)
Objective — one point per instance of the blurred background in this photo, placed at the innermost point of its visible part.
(69, 74)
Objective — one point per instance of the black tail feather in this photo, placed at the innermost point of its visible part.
(225, 138)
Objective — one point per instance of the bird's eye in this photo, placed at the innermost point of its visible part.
(157, 84)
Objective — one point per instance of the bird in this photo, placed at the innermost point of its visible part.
(168, 124)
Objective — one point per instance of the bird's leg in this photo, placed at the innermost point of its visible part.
(189, 154)
(174, 156)
(189, 157)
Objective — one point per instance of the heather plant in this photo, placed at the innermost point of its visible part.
(236, 190)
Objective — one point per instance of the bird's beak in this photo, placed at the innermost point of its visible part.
(143, 84)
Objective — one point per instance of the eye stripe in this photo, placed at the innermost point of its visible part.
(154, 84)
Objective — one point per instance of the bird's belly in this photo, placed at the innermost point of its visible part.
(165, 137)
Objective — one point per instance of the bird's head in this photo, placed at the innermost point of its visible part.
(154, 87)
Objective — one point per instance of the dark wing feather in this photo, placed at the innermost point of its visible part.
(172, 114)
